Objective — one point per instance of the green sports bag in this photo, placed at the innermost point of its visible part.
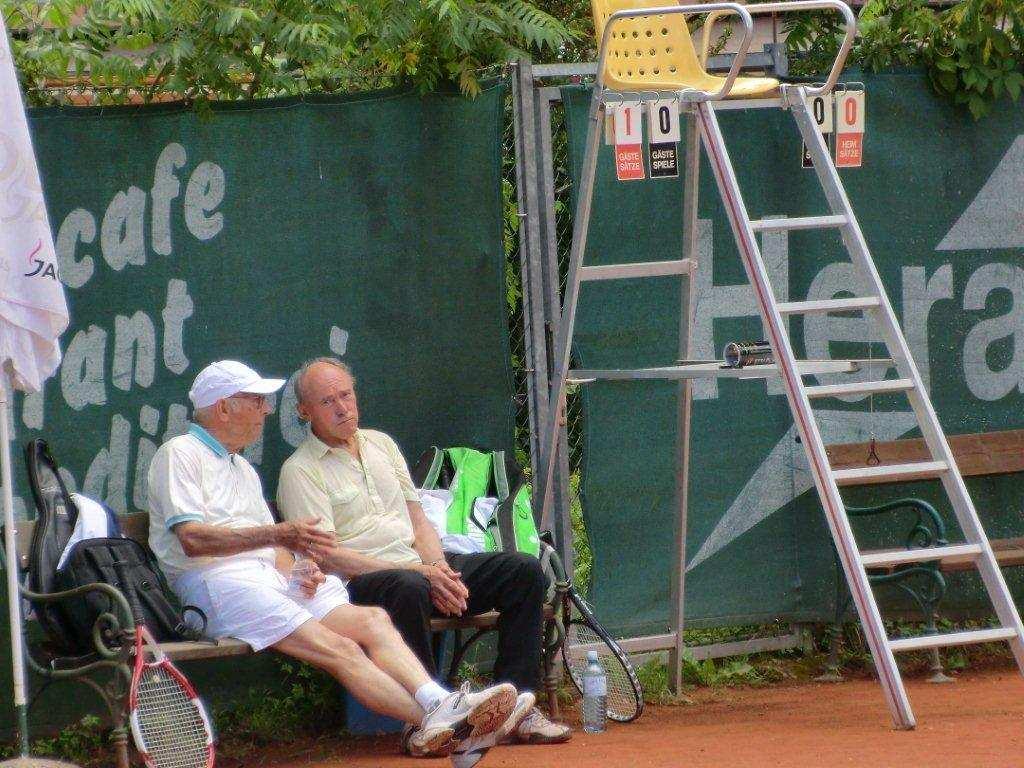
(471, 474)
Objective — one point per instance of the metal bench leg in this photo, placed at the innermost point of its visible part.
(928, 597)
(457, 654)
(938, 673)
(119, 738)
(551, 645)
(835, 631)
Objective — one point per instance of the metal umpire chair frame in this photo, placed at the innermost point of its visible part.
(672, 70)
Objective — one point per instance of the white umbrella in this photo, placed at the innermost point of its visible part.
(33, 314)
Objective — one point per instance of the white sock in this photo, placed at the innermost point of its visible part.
(428, 694)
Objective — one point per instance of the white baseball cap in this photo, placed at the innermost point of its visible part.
(226, 378)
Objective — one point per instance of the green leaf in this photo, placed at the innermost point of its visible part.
(977, 105)
(1013, 83)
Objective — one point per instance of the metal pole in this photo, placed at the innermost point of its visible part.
(563, 339)
(537, 385)
(559, 515)
(11, 557)
(691, 185)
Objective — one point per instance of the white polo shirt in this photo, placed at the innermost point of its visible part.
(193, 477)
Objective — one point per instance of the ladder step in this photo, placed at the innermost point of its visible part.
(640, 269)
(914, 470)
(860, 388)
(828, 305)
(901, 556)
(952, 638)
(799, 222)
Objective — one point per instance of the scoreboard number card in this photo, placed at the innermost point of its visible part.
(629, 139)
(822, 108)
(850, 130)
(663, 146)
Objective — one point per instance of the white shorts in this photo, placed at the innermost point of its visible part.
(247, 598)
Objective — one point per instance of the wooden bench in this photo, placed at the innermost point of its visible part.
(980, 454)
(992, 453)
(136, 526)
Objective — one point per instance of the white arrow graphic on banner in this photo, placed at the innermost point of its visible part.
(995, 218)
(784, 474)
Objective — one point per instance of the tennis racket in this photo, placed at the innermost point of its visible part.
(583, 632)
(168, 721)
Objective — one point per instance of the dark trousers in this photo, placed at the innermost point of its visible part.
(511, 583)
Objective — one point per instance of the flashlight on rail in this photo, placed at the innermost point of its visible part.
(740, 354)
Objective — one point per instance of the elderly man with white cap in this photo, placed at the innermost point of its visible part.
(218, 544)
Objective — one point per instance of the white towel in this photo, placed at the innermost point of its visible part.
(92, 523)
(435, 505)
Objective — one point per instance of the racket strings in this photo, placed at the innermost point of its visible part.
(621, 700)
(172, 730)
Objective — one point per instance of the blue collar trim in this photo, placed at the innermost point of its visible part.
(207, 439)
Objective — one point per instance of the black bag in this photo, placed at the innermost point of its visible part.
(56, 515)
(92, 560)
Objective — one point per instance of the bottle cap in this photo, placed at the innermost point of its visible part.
(592, 657)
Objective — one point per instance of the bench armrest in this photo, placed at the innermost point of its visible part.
(928, 530)
(549, 556)
(116, 622)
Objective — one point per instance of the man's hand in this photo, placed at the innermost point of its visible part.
(311, 579)
(302, 536)
(447, 591)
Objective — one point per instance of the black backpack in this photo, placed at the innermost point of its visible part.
(69, 623)
(107, 560)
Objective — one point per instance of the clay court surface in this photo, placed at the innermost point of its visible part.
(976, 722)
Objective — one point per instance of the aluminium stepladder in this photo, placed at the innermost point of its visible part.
(646, 53)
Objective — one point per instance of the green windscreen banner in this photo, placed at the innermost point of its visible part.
(367, 228)
(938, 198)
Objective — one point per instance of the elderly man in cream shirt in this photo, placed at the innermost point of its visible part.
(215, 538)
(355, 483)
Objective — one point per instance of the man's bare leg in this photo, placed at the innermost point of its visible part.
(343, 659)
(373, 630)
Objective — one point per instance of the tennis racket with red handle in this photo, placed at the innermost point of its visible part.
(168, 721)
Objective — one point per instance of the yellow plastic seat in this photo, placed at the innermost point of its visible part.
(656, 53)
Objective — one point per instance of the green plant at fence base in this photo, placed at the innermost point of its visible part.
(708, 673)
(304, 700)
(583, 557)
(854, 655)
(724, 672)
(84, 743)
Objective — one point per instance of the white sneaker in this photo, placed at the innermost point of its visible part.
(471, 751)
(461, 715)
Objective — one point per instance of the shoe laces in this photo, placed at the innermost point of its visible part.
(464, 691)
(447, 700)
(534, 719)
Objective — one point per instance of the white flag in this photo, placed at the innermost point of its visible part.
(33, 313)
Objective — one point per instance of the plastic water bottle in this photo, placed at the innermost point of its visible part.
(302, 568)
(595, 695)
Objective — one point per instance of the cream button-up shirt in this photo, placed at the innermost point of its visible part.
(361, 500)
